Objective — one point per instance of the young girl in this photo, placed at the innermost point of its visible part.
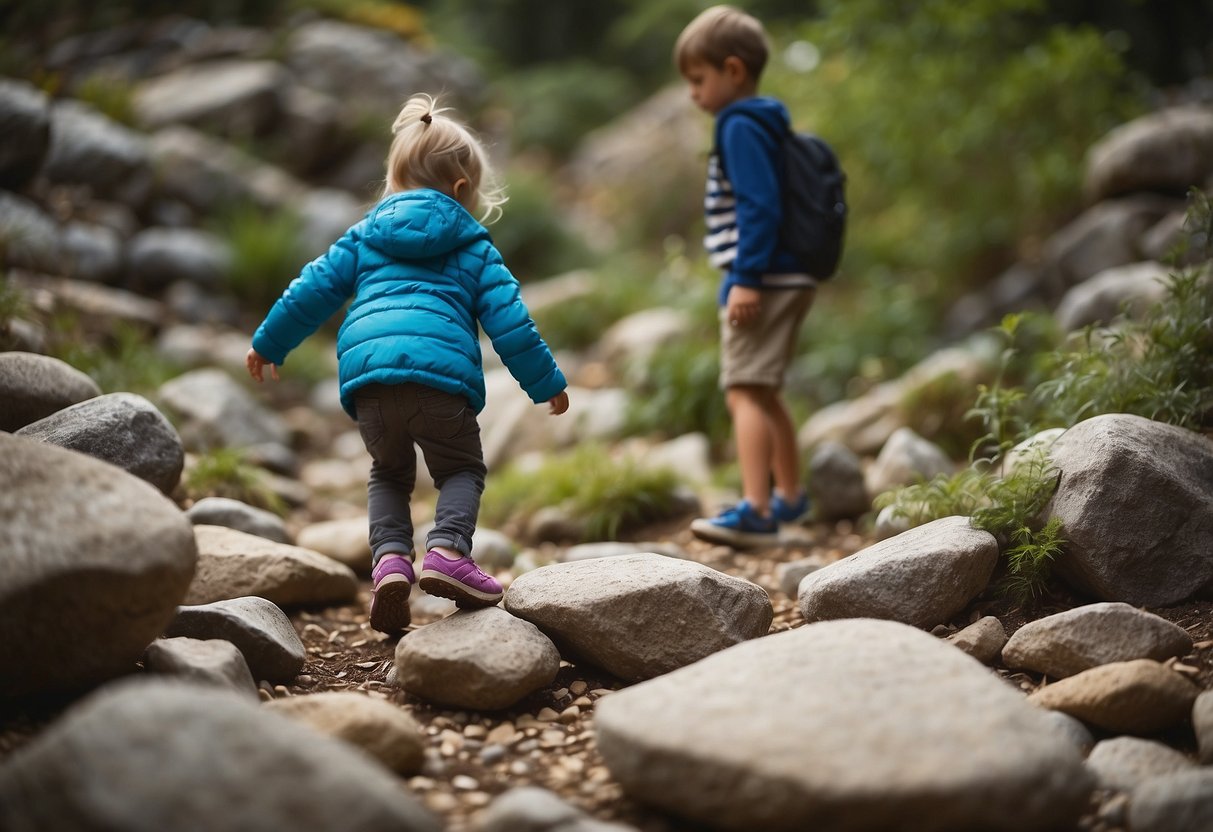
(423, 273)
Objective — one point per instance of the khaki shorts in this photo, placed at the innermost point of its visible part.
(759, 353)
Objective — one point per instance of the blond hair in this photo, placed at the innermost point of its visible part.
(431, 150)
(723, 32)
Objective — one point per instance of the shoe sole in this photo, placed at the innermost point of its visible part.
(712, 533)
(390, 611)
(444, 586)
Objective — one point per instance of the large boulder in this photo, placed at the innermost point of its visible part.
(31, 236)
(34, 386)
(93, 563)
(1170, 150)
(122, 429)
(1135, 287)
(1104, 236)
(843, 725)
(638, 616)
(232, 97)
(921, 577)
(158, 257)
(89, 148)
(1136, 501)
(216, 411)
(147, 756)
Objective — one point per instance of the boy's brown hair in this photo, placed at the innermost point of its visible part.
(722, 32)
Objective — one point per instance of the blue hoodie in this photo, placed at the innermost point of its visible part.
(422, 272)
(748, 156)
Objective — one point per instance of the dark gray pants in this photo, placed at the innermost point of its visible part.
(391, 418)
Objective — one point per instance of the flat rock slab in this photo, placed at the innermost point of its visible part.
(638, 616)
(261, 631)
(921, 577)
(1076, 640)
(1136, 500)
(1137, 697)
(93, 565)
(146, 756)
(484, 659)
(232, 564)
(842, 726)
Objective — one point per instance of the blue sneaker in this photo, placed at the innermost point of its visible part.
(785, 512)
(737, 526)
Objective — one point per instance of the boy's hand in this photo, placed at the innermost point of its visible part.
(256, 365)
(559, 403)
(743, 305)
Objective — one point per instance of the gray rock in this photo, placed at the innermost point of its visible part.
(224, 511)
(1180, 802)
(196, 307)
(636, 337)
(231, 97)
(159, 257)
(1124, 763)
(346, 541)
(791, 732)
(1100, 299)
(91, 252)
(155, 755)
(890, 524)
(791, 574)
(906, 458)
(93, 564)
(921, 577)
(533, 809)
(202, 346)
(211, 662)
(1138, 697)
(261, 631)
(89, 148)
(482, 659)
(102, 307)
(25, 125)
(1075, 640)
(1033, 452)
(1169, 150)
(33, 387)
(836, 482)
(206, 173)
(386, 732)
(325, 214)
(122, 429)
(232, 564)
(1202, 723)
(983, 639)
(1103, 237)
(638, 616)
(216, 411)
(31, 237)
(1134, 499)
(1073, 730)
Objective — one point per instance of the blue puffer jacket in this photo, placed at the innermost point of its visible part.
(422, 273)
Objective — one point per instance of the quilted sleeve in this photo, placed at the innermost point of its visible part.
(311, 299)
(507, 322)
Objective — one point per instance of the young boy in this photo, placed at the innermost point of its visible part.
(765, 293)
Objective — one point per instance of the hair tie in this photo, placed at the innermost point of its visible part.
(427, 118)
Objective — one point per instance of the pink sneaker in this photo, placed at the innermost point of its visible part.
(392, 580)
(461, 580)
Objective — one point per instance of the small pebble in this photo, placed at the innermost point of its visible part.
(547, 715)
(570, 714)
(578, 688)
(475, 732)
(464, 783)
(490, 755)
(518, 768)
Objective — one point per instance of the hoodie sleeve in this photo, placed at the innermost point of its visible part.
(507, 322)
(311, 299)
(749, 152)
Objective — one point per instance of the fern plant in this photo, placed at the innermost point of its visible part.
(1030, 560)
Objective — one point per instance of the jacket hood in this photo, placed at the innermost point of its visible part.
(769, 111)
(421, 223)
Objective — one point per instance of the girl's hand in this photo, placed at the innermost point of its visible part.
(743, 305)
(559, 403)
(256, 365)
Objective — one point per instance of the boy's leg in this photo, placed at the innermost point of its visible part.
(785, 453)
(754, 437)
(449, 436)
(383, 423)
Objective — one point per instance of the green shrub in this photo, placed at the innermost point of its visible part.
(266, 251)
(224, 472)
(110, 95)
(125, 361)
(532, 235)
(610, 496)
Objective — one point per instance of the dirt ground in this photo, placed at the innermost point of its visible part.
(547, 739)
